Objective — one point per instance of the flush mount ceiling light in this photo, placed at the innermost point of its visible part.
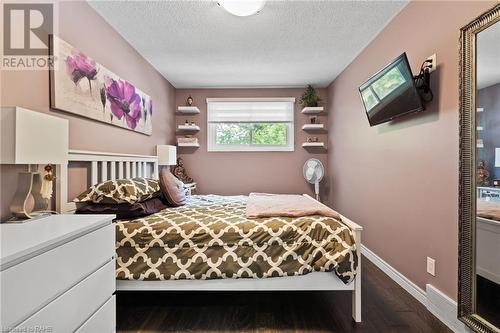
(242, 7)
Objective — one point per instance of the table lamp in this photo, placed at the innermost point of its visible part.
(30, 137)
(167, 154)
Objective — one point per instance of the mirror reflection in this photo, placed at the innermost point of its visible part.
(488, 175)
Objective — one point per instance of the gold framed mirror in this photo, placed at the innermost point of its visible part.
(479, 212)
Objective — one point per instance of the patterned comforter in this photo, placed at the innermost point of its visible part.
(210, 238)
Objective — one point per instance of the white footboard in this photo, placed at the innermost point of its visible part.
(356, 293)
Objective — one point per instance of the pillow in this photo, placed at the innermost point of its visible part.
(172, 188)
(121, 191)
(124, 210)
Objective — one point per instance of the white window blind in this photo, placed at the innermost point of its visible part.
(255, 124)
(249, 112)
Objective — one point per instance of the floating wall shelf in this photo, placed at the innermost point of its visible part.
(480, 109)
(188, 109)
(191, 128)
(313, 144)
(311, 127)
(194, 145)
(312, 110)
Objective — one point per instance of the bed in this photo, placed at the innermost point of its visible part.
(209, 244)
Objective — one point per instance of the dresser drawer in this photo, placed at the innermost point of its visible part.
(32, 284)
(103, 320)
(67, 312)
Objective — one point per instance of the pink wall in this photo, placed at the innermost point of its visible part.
(82, 27)
(241, 173)
(400, 180)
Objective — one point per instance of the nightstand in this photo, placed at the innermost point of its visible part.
(189, 188)
(58, 274)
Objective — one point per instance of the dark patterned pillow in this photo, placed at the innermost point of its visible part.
(123, 211)
(121, 191)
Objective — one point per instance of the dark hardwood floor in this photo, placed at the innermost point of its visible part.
(386, 308)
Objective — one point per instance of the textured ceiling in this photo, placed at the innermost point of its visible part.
(288, 44)
(488, 57)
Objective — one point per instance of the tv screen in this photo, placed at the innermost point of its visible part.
(390, 93)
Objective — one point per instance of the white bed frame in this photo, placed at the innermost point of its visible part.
(106, 166)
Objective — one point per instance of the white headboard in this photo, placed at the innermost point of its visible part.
(103, 166)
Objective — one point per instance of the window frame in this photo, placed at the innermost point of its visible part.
(212, 146)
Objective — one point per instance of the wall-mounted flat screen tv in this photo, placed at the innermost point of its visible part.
(391, 92)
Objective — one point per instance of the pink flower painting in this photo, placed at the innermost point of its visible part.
(107, 98)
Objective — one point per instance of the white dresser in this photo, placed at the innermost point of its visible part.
(57, 274)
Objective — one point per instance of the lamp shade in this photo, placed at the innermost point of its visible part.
(167, 154)
(30, 137)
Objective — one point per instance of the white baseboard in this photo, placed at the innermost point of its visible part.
(444, 308)
(440, 305)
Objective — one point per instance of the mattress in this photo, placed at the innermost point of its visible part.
(210, 238)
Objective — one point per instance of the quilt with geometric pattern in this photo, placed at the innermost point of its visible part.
(211, 238)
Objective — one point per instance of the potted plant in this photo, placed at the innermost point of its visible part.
(309, 98)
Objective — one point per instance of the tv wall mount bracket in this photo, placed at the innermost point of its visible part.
(422, 81)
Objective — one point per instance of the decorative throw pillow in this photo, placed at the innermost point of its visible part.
(124, 210)
(121, 191)
(172, 188)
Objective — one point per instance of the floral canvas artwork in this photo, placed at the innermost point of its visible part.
(82, 86)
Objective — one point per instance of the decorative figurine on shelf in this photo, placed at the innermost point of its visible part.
(309, 139)
(315, 139)
(483, 175)
(180, 172)
(309, 98)
(189, 101)
(186, 122)
(313, 119)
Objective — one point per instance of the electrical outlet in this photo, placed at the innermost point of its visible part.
(431, 266)
(434, 62)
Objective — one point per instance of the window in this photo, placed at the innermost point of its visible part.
(258, 124)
